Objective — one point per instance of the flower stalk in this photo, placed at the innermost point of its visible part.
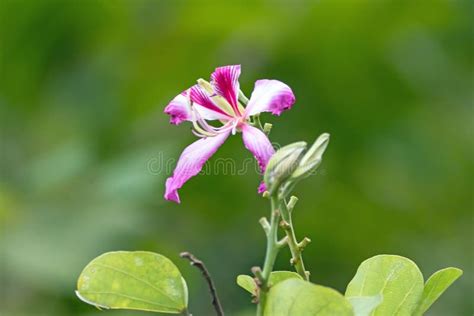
(285, 168)
(221, 99)
(273, 247)
(296, 248)
(280, 210)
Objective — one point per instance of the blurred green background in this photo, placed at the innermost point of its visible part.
(83, 87)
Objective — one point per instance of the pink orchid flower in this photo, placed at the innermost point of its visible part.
(220, 101)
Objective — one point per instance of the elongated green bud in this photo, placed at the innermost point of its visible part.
(282, 164)
(312, 159)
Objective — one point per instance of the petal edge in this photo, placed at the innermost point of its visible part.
(270, 96)
(178, 109)
(191, 162)
(258, 144)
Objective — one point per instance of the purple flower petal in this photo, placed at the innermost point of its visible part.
(205, 106)
(225, 81)
(258, 144)
(178, 109)
(191, 162)
(262, 187)
(270, 96)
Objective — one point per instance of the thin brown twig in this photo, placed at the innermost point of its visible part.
(212, 289)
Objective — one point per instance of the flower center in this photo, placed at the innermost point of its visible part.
(237, 124)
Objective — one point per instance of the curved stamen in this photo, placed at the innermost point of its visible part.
(207, 126)
(203, 129)
(198, 134)
(199, 131)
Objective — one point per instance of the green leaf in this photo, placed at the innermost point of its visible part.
(435, 286)
(396, 278)
(297, 297)
(364, 305)
(133, 280)
(248, 283)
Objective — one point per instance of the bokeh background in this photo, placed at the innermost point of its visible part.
(83, 87)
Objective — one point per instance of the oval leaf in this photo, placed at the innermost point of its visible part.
(248, 283)
(133, 280)
(397, 279)
(435, 286)
(297, 297)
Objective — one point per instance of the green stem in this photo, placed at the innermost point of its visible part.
(295, 248)
(270, 256)
(272, 247)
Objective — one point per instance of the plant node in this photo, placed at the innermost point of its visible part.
(291, 203)
(265, 225)
(303, 243)
(285, 225)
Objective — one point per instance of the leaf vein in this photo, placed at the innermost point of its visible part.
(404, 298)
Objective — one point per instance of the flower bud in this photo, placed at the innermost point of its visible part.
(312, 159)
(282, 164)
